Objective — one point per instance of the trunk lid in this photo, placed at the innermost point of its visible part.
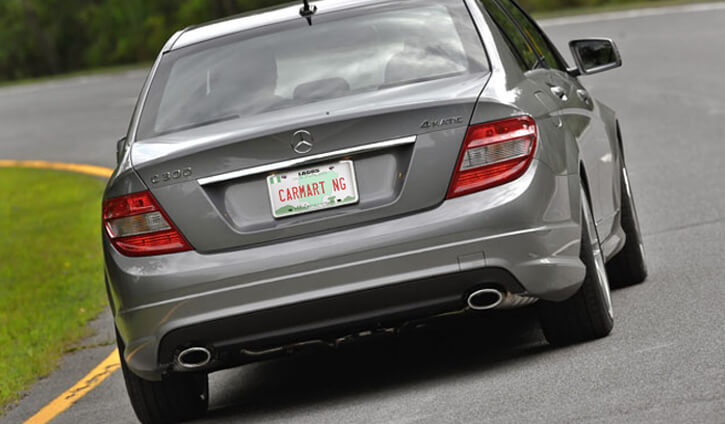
(403, 142)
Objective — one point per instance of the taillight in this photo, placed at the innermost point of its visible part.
(137, 226)
(493, 154)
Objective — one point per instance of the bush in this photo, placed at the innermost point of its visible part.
(42, 37)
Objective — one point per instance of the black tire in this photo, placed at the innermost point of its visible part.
(588, 314)
(629, 266)
(177, 398)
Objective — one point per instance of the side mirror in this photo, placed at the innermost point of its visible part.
(594, 55)
(120, 149)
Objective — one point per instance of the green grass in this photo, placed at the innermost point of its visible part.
(51, 273)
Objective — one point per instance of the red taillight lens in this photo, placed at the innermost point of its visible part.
(137, 226)
(493, 154)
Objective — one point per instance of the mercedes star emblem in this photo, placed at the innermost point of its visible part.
(302, 142)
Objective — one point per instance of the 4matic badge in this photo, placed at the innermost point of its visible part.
(456, 120)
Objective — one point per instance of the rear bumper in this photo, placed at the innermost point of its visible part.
(335, 320)
(521, 236)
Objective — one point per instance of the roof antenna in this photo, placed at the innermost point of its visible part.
(306, 12)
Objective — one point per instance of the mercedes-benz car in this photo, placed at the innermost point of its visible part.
(313, 174)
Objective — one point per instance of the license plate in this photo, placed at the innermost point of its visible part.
(312, 189)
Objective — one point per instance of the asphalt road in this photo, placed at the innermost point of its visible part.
(665, 360)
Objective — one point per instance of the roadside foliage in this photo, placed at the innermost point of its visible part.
(46, 37)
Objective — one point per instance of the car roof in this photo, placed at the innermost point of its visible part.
(256, 19)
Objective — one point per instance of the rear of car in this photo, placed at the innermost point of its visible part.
(287, 185)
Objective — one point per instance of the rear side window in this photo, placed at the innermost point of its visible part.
(536, 37)
(288, 65)
(516, 40)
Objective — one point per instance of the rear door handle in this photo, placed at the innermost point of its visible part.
(559, 92)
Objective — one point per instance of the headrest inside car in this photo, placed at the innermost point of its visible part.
(321, 89)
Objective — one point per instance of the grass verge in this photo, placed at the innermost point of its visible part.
(51, 275)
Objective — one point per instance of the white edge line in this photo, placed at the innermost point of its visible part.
(632, 14)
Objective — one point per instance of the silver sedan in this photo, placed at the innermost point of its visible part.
(308, 176)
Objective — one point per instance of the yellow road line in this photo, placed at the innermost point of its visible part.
(80, 389)
(97, 171)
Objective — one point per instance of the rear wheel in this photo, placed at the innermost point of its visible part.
(588, 314)
(628, 267)
(176, 398)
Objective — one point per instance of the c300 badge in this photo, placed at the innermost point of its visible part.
(171, 175)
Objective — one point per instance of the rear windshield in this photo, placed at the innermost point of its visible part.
(293, 64)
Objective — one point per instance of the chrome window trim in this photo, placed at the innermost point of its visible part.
(277, 166)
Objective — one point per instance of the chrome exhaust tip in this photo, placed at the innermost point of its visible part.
(484, 300)
(194, 357)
